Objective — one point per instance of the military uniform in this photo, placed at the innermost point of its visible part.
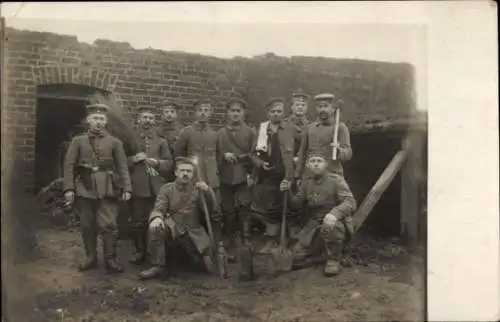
(170, 131)
(179, 207)
(266, 196)
(238, 139)
(95, 168)
(319, 196)
(146, 184)
(319, 137)
(200, 141)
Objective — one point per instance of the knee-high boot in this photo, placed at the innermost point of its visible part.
(109, 248)
(90, 244)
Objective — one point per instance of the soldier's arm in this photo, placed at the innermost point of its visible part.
(347, 205)
(165, 162)
(256, 161)
(70, 160)
(122, 165)
(344, 151)
(301, 162)
(162, 204)
(181, 143)
(298, 201)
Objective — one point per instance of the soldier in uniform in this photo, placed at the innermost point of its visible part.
(176, 218)
(170, 129)
(298, 119)
(319, 136)
(92, 166)
(199, 140)
(273, 160)
(235, 143)
(329, 205)
(146, 170)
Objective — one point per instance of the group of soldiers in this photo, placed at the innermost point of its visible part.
(238, 174)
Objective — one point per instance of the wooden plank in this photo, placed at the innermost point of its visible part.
(410, 182)
(379, 188)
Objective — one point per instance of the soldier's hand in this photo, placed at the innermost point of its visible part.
(126, 196)
(141, 156)
(156, 224)
(202, 185)
(285, 185)
(152, 162)
(69, 196)
(295, 159)
(267, 166)
(230, 157)
(329, 220)
(250, 181)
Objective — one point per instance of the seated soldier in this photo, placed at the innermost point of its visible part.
(329, 205)
(176, 217)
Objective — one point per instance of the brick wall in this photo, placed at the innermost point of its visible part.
(372, 92)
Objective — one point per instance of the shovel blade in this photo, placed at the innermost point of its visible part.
(281, 260)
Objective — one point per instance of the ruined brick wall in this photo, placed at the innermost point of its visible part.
(372, 92)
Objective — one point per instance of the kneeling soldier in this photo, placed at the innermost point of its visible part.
(176, 217)
(329, 204)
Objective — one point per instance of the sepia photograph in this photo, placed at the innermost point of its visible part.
(212, 171)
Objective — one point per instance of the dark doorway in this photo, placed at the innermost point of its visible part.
(60, 108)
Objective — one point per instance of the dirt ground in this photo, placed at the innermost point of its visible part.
(385, 283)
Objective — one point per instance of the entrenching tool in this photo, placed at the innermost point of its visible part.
(336, 133)
(282, 257)
(245, 259)
(217, 250)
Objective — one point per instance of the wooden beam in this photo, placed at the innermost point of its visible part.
(379, 188)
(410, 183)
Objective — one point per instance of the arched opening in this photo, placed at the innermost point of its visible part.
(60, 109)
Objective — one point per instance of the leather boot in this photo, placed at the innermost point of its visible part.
(109, 245)
(152, 272)
(140, 246)
(90, 245)
(334, 254)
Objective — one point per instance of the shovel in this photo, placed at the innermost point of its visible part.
(245, 259)
(282, 257)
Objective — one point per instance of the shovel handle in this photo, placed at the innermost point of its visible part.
(283, 220)
(336, 133)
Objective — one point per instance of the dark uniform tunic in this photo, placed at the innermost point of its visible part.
(318, 197)
(266, 198)
(319, 137)
(170, 132)
(299, 125)
(144, 186)
(200, 141)
(180, 208)
(96, 169)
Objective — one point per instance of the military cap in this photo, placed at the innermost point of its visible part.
(202, 101)
(299, 95)
(146, 109)
(97, 108)
(234, 98)
(185, 160)
(274, 100)
(169, 103)
(324, 97)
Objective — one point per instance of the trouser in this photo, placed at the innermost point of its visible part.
(235, 202)
(162, 237)
(316, 239)
(141, 209)
(267, 204)
(98, 217)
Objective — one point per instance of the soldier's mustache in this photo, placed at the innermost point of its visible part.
(185, 177)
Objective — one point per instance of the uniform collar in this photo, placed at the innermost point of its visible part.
(101, 134)
(147, 133)
(320, 179)
(281, 125)
(170, 125)
(199, 126)
(234, 127)
(183, 187)
(327, 123)
(298, 120)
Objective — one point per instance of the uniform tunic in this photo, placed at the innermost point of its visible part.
(200, 141)
(98, 173)
(319, 137)
(239, 140)
(180, 209)
(170, 132)
(266, 197)
(144, 186)
(299, 125)
(318, 197)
